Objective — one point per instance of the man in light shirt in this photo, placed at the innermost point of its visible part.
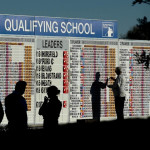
(119, 93)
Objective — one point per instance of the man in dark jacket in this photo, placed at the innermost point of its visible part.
(95, 91)
(16, 108)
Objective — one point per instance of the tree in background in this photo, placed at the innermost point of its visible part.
(141, 1)
(141, 31)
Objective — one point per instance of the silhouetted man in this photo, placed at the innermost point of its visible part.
(96, 96)
(16, 108)
(119, 93)
(50, 110)
(1, 112)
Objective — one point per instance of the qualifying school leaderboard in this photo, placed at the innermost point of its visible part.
(47, 51)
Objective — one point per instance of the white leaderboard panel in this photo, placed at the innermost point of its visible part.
(71, 65)
(17, 62)
(52, 68)
(86, 58)
(134, 59)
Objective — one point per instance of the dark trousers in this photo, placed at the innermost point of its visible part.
(119, 106)
(96, 108)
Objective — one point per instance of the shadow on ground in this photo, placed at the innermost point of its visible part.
(85, 132)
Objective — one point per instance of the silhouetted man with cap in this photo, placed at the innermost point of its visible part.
(51, 108)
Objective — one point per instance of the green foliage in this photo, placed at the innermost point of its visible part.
(141, 1)
(141, 31)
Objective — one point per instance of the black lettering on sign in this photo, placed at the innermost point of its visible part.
(52, 44)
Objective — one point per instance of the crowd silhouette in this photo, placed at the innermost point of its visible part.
(16, 106)
(118, 91)
(16, 110)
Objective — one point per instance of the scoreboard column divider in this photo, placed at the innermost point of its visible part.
(118, 53)
(69, 80)
(35, 48)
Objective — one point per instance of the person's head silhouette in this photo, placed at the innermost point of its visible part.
(20, 87)
(52, 91)
(97, 76)
(118, 70)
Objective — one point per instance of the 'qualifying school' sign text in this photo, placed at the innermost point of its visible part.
(45, 26)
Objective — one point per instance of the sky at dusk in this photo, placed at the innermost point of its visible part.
(120, 10)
